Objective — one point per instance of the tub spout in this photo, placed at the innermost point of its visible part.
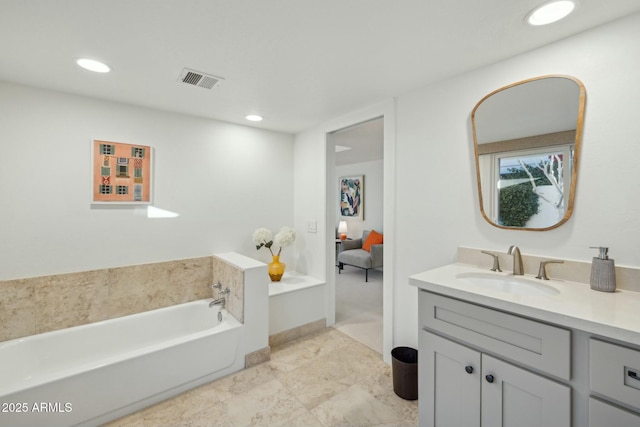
(219, 301)
(222, 300)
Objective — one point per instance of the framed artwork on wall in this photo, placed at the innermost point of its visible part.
(121, 173)
(352, 197)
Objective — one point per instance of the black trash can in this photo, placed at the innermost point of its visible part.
(404, 368)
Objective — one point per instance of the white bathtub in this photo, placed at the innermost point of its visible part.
(90, 374)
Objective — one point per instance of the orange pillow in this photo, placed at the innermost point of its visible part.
(374, 238)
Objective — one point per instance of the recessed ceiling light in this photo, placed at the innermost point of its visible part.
(550, 12)
(254, 118)
(93, 65)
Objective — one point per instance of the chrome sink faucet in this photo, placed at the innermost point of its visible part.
(517, 260)
(496, 261)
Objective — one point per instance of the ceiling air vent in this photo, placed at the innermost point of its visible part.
(196, 78)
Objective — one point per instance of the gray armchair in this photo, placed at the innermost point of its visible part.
(352, 254)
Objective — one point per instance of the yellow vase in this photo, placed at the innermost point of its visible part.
(276, 269)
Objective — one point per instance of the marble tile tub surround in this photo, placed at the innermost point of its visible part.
(41, 304)
(232, 277)
(627, 278)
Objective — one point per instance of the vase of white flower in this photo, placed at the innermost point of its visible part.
(276, 268)
(264, 237)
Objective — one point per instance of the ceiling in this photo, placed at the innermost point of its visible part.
(365, 142)
(295, 62)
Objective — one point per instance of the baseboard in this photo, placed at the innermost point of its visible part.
(257, 357)
(297, 332)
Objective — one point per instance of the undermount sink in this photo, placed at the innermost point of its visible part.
(508, 284)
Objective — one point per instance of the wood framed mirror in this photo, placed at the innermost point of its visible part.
(527, 138)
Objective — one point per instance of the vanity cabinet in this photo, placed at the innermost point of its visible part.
(603, 414)
(614, 375)
(449, 381)
(565, 358)
(465, 379)
(465, 388)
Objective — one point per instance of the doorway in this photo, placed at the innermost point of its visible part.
(359, 156)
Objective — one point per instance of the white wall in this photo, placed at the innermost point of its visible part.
(309, 194)
(224, 180)
(373, 196)
(434, 183)
(434, 145)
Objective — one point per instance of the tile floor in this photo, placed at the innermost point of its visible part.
(321, 380)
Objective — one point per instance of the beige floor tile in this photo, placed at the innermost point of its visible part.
(212, 416)
(354, 363)
(355, 407)
(170, 412)
(202, 397)
(305, 420)
(268, 404)
(242, 381)
(300, 352)
(318, 380)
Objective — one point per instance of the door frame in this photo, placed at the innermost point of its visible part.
(386, 110)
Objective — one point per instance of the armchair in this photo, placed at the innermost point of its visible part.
(353, 254)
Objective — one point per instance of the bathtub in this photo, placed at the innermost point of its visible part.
(90, 374)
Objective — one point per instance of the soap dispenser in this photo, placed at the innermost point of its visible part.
(603, 273)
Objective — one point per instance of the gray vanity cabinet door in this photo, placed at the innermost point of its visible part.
(449, 383)
(514, 397)
(603, 414)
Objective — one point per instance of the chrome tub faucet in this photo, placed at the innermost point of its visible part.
(222, 295)
(222, 301)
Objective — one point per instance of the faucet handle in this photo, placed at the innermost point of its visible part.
(225, 291)
(496, 262)
(542, 272)
(216, 289)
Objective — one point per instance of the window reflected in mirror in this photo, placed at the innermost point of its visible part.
(527, 140)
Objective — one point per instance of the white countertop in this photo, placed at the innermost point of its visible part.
(615, 315)
(241, 261)
(291, 282)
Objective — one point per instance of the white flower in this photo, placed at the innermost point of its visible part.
(285, 237)
(262, 236)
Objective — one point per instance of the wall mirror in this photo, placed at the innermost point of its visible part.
(527, 138)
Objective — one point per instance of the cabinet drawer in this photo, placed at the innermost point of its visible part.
(602, 414)
(538, 345)
(614, 371)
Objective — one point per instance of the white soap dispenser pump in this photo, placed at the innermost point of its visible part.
(603, 272)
